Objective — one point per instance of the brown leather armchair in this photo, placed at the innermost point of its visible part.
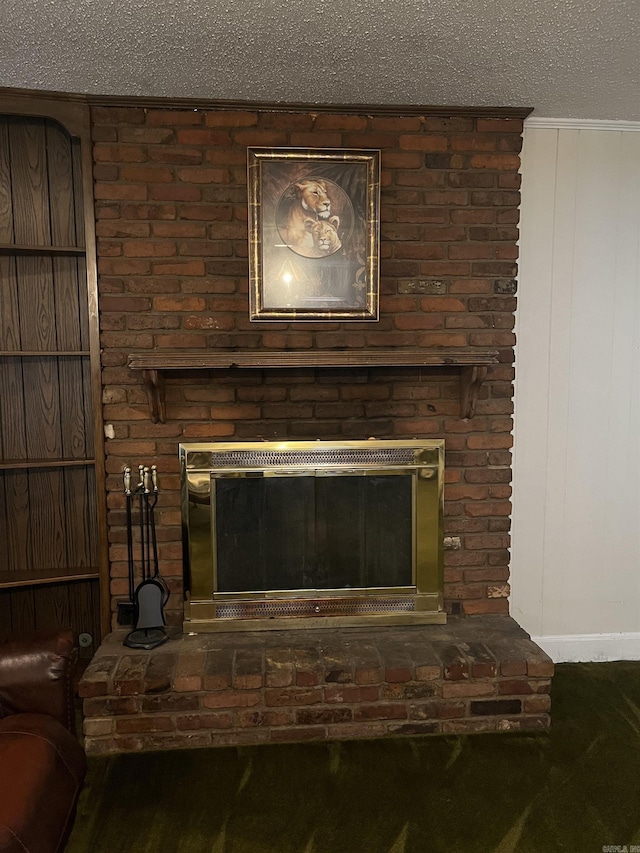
(42, 764)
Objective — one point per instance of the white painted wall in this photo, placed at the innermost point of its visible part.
(576, 505)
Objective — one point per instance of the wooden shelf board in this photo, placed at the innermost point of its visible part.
(32, 249)
(10, 464)
(42, 353)
(34, 577)
(472, 364)
(257, 359)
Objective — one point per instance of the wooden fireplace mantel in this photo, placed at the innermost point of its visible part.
(471, 364)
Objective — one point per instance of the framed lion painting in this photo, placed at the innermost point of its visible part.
(313, 234)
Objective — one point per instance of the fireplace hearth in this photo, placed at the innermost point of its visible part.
(481, 674)
(322, 533)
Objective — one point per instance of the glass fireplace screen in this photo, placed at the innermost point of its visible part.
(312, 521)
(308, 532)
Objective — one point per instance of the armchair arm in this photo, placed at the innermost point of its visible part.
(35, 676)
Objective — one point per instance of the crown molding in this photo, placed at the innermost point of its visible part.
(581, 124)
(141, 101)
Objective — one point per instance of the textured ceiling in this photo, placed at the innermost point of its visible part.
(566, 58)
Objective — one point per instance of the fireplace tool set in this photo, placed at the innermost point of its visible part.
(148, 598)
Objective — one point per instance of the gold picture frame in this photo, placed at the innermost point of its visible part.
(314, 226)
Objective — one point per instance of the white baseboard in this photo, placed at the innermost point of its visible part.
(573, 648)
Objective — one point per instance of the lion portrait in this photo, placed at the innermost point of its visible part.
(324, 234)
(310, 200)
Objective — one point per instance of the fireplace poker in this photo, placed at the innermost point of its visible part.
(152, 525)
(128, 499)
(152, 593)
(141, 520)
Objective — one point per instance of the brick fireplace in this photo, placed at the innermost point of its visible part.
(171, 209)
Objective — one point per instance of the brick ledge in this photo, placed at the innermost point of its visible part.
(474, 674)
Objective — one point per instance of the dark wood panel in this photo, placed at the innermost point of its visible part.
(4, 533)
(63, 233)
(92, 514)
(72, 606)
(67, 302)
(52, 607)
(6, 205)
(36, 302)
(84, 599)
(88, 402)
(72, 409)
(23, 611)
(31, 221)
(32, 224)
(5, 613)
(47, 519)
(83, 307)
(42, 405)
(13, 435)
(9, 311)
(16, 491)
(48, 527)
(60, 178)
(9, 324)
(79, 517)
(78, 196)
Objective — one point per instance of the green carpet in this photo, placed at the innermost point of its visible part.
(575, 789)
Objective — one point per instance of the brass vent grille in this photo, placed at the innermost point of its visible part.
(283, 608)
(312, 458)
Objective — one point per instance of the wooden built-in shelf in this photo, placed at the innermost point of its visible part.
(471, 364)
(30, 249)
(12, 464)
(42, 353)
(53, 497)
(35, 577)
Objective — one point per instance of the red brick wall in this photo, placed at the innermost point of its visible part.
(171, 208)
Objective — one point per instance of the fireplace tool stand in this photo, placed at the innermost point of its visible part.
(150, 596)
